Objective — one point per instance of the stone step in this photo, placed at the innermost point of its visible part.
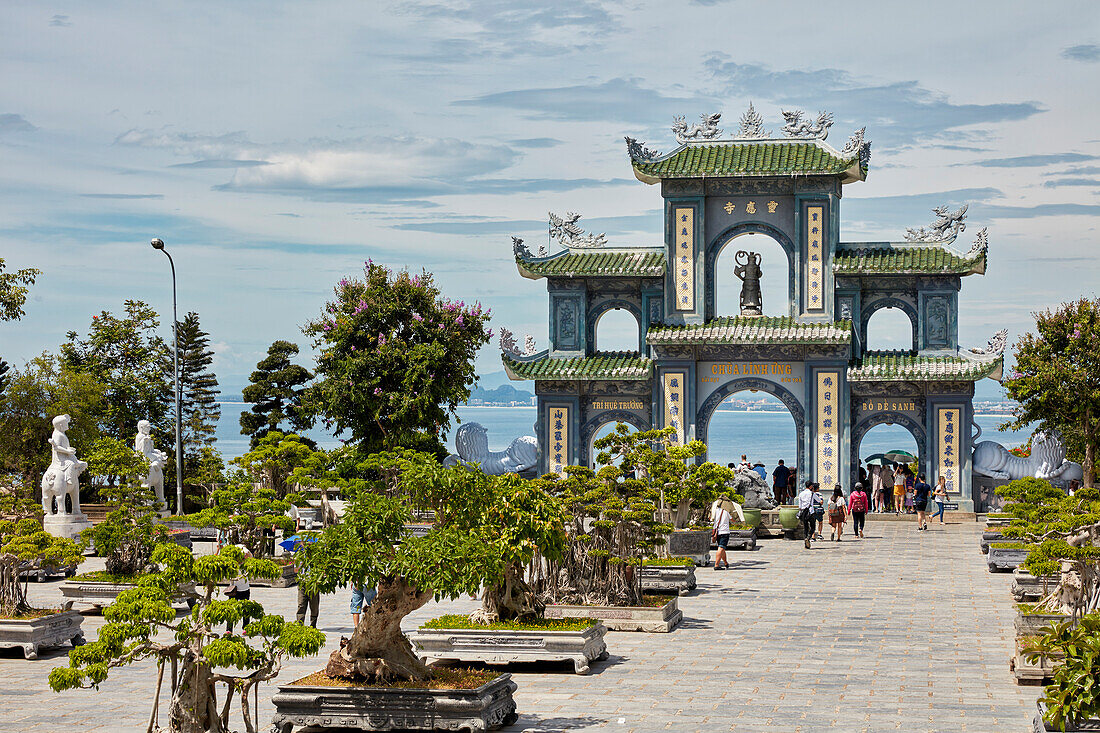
(949, 517)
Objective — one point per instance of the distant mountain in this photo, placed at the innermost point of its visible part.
(505, 394)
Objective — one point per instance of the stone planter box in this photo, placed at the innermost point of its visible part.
(671, 578)
(99, 593)
(989, 538)
(1038, 726)
(742, 539)
(288, 578)
(1036, 624)
(502, 646)
(1026, 587)
(419, 529)
(40, 574)
(657, 619)
(35, 633)
(997, 522)
(489, 707)
(693, 543)
(771, 524)
(1039, 672)
(1005, 558)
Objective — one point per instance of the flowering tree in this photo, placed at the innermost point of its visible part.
(1057, 377)
(395, 360)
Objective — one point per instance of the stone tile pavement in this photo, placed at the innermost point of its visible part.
(900, 631)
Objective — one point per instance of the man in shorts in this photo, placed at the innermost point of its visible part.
(720, 532)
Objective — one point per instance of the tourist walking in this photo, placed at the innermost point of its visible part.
(806, 512)
(838, 513)
(887, 487)
(876, 489)
(361, 597)
(239, 590)
(921, 493)
(819, 510)
(940, 497)
(899, 490)
(312, 601)
(720, 534)
(858, 504)
(779, 482)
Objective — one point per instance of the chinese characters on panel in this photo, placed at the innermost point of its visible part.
(949, 447)
(683, 274)
(559, 439)
(828, 433)
(815, 283)
(674, 403)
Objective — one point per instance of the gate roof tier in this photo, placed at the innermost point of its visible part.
(885, 366)
(905, 258)
(603, 262)
(601, 366)
(744, 330)
(756, 158)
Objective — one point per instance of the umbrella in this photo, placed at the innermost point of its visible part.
(877, 459)
(290, 544)
(901, 456)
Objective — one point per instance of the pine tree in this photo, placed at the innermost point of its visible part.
(199, 390)
(275, 393)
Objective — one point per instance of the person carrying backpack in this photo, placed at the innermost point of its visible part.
(838, 513)
(858, 504)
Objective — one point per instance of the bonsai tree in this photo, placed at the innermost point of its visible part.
(275, 458)
(142, 624)
(24, 546)
(130, 531)
(1063, 534)
(244, 513)
(1073, 695)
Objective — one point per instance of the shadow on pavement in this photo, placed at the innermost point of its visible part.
(535, 724)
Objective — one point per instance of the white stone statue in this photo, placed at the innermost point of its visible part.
(472, 443)
(62, 479)
(158, 459)
(1047, 461)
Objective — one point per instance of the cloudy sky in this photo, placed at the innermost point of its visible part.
(276, 146)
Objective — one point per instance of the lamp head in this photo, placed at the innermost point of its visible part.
(157, 243)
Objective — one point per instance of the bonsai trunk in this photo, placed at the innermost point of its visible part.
(194, 708)
(12, 597)
(512, 599)
(378, 651)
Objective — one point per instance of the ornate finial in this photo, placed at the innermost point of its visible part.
(996, 345)
(980, 246)
(798, 127)
(857, 145)
(519, 249)
(528, 345)
(945, 229)
(566, 231)
(708, 130)
(752, 125)
(639, 152)
(508, 343)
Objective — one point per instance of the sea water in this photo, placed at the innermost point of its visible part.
(762, 436)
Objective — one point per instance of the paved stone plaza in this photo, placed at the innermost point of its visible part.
(901, 631)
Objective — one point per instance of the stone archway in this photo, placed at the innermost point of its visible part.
(592, 426)
(597, 310)
(870, 307)
(915, 428)
(706, 410)
(714, 249)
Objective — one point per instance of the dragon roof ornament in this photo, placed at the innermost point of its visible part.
(857, 145)
(568, 234)
(995, 347)
(981, 244)
(708, 130)
(519, 249)
(948, 226)
(795, 126)
(639, 152)
(509, 346)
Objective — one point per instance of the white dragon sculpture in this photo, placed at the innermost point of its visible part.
(797, 127)
(996, 345)
(472, 444)
(568, 234)
(1047, 461)
(947, 226)
(707, 130)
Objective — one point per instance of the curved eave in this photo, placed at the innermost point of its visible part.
(976, 371)
(616, 366)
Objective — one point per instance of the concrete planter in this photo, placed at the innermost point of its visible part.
(1081, 726)
(35, 633)
(1039, 672)
(991, 522)
(752, 516)
(502, 646)
(1036, 624)
(288, 578)
(489, 707)
(39, 574)
(1005, 558)
(671, 578)
(100, 593)
(772, 522)
(742, 539)
(693, 543)
(419, 529)
(1026, 587)
(989, 538)
(658, 619)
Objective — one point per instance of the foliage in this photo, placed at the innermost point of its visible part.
(13, 291)
(44, 388)
(668, 562)
(142, 624)
(396, 359)
(1057, 377)
(443, 678)
(207, 472)
(244, 512)
(275, 457)
(199, 407)
(1074, 693)
(129, 533)
(275, 391)
(1063, 535)
(458, 621)
(25, 546)
(127, 356)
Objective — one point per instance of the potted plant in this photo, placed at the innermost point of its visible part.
(192, 648)
(668, 575)
(26, 546)
(1071, 702)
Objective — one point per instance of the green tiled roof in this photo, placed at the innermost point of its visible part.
(885, 259)
(597, 263)
(748, 158)
(748, 330)
(891, 365)
(602, 365)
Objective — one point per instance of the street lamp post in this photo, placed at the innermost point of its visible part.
(159, 244)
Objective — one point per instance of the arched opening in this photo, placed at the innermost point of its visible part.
(603, 430)
(774, 282)
(890, 328)
(875, 442)
(755, 424)
(617, 329)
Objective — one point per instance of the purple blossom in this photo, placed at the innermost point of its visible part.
(460, 321)
(343, 282)
(490, 333)
(353, 347)
(417, 317)
(377, 391)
